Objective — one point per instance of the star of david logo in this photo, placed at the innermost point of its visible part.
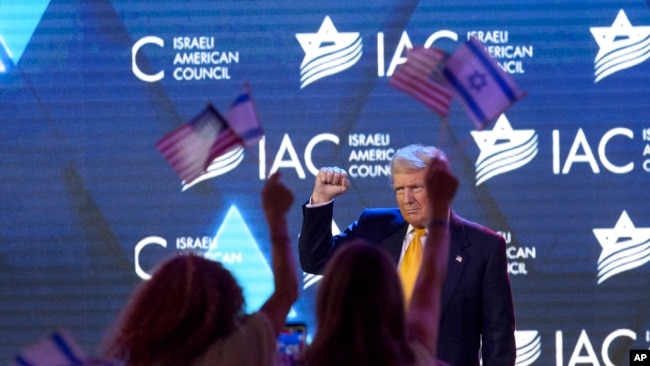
(327, 52)
(624, 247)
(477, 81)
(621, 46)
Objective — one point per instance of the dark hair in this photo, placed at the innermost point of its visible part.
(188, 303)
(360, 311)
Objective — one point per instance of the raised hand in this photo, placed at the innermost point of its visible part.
(330, 182)
(423, 316)
(276, 202)
(276, 198)
(441, 187)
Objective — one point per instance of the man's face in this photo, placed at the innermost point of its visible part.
(411, 196)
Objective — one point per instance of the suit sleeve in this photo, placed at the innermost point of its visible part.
(498, 339)
(315, 245)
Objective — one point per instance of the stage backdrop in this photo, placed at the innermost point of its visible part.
(88, 205)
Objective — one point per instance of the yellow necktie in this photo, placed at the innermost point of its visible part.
(408, 270)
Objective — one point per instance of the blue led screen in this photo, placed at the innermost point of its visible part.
(88, 205)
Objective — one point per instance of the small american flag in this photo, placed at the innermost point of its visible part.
(420, 77)
(190, 148)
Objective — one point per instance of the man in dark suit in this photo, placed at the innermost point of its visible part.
(477, 313)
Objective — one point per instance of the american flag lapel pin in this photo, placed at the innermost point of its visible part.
(459, 259)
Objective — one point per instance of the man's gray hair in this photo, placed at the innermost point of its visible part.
(414, 157)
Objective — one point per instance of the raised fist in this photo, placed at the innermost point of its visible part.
(330, 182)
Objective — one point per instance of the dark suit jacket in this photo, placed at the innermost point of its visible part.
(476, 299)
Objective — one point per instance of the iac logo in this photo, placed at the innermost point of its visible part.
(529, 347)
(503, 149)
(613, 151)
(625, 247)
(327, 52)
(621, 46)
(18, 20)
(195, 58)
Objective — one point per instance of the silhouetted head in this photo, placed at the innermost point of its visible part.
(360, 310)
(188, 303)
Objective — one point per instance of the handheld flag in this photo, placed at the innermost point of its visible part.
(57, 348)
(419, 77)
(485, 90)
(190, 148)
(195, 150)
(243, 119)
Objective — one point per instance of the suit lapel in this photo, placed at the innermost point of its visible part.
(457, 260)
(458, 256)
(393, 242)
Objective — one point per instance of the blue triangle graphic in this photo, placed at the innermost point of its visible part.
(238, 251)
(18, 20)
